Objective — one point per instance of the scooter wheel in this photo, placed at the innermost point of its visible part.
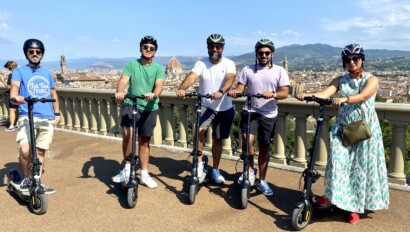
(132, 195)
(245, 193)
(193, 189)
(301, 219)
(38, 203)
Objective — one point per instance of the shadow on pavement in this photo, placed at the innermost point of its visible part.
(104, 170)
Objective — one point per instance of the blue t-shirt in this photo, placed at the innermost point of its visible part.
(37, 84)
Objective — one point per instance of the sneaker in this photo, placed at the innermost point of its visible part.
(264, 188)
(25, 183)
(200, 169)
(122, 176)
(219, 179)
(353, 218)
(252, 178)
(10, 129)
(48, 190)
(148, 181)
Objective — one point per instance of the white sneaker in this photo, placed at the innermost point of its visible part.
(219, 179)
(122, 176)
(200, 169)
(252, 178)
(148, 181)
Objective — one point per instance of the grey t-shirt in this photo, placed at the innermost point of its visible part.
(265, 79)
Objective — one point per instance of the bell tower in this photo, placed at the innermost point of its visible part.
(63, 64)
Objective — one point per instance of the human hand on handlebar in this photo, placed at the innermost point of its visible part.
(150, 96)
(19, 100)
(181, 93)
(119, 96)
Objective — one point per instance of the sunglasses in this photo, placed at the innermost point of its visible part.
(37, 52)
(217, 46)
(150, 48)
(348, 60)
(267, 53)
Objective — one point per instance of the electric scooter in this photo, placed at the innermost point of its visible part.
(131, 183)
(246, 184)
(194, 180)
(302, 213)
(35, 194)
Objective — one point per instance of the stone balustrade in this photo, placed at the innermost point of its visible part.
(93, 111)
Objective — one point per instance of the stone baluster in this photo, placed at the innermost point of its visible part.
(300, 142)
(103, 116)
(323, 146)
(63, 111)
(76, 113)
(114, 117)
(398, 152)
(157, 138)
(94, 115)
(69, 114)
(169, 124)
(85, 112)
(208, 142)
(280, 140)
(183, 125)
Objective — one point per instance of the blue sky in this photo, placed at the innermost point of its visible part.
(95, 28)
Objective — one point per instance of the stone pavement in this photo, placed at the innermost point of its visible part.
(80, 169)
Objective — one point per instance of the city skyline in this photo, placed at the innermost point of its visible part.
(113, 30)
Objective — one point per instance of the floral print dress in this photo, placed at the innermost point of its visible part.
(356, 176)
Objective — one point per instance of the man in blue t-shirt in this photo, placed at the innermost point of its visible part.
(34, 81)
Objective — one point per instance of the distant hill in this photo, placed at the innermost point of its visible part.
(316, 55)
(309, 56)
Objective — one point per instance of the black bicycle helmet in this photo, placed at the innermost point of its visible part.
(264, 43)
(215, 39)
(33, 43)
(149, 39)
(353, 49)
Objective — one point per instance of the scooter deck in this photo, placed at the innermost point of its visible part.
(24, 194)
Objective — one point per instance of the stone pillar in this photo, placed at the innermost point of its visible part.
(69, 119)
(103, 116)
(280, 140)
(323, 146)
(208, 143)
(183, 125)
(76, 113)
(114, 127)
(397, 155)
(227, 146)
(169, 124)
(85, 112)
(93, 115)
(300, 142)
(157, 138)
(63, 112)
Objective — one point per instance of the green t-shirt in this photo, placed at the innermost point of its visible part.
(142, 81)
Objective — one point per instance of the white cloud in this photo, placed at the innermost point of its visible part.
(290, 32)
(381, 23)
(115, 42)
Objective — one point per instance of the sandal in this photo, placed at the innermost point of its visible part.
(353, 218)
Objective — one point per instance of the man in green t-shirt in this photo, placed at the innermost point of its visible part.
(145, 77)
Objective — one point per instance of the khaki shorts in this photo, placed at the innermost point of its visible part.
(43, 128)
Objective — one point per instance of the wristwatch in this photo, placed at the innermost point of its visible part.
(221, 91)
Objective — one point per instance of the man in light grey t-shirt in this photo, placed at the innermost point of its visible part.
(272, 82)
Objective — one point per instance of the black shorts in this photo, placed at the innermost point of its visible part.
(12, 106)
(146, 120)
(221, 122)
(263, 126)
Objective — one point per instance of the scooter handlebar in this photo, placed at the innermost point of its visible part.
(34, 99)
(195, 94)
(322, 101)
(258, 95)
(133, 97)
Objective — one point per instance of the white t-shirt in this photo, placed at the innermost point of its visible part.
(265, 79)
(211, 79)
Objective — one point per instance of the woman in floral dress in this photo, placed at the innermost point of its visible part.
(356, 176)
